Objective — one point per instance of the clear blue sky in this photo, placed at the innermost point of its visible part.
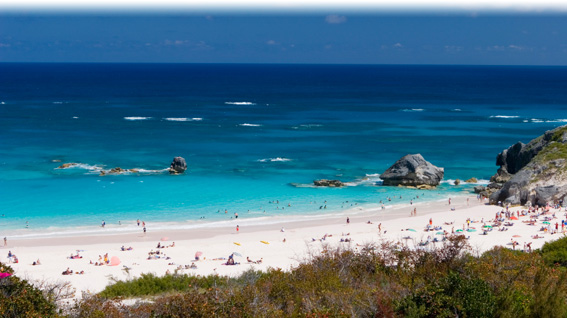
(325, 37)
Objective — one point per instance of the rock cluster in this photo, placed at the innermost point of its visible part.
(533, 173)
(328, 183)
(412, 170)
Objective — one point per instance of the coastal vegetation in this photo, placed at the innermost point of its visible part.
(386, 280)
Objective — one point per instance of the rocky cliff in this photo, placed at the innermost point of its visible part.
(533, 173)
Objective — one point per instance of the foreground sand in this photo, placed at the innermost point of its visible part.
(301, 238)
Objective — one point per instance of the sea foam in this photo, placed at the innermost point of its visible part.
(413, 110)
(504, 116)
(240, 103)
(250, 125)
(137, 118)
(182, 119)
(278, 159)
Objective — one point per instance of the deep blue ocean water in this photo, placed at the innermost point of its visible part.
(249, 133)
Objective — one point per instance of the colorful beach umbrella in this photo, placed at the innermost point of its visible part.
(516, 235)
(514, 218)
(198, 253)
(459, 230)
(440, 233)
(4, 275)
(471, 230)
(236, 254)
(546, 222)
(114, 261)
(411, 230)
(487, 226)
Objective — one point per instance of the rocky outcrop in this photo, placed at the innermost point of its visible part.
(178, 165)
(329, 183)
(472, 180)
(412, 170)
(67, 165)
(533, 173)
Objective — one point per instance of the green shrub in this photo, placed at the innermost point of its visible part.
(18, 298)
(555, 252)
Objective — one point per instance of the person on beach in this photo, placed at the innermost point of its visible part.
(138, 221)
(235, 215)
(5, 241)
(144, 230)
(103, 223)
(237, 229)
(347, 220)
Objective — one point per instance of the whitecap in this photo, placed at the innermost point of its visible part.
(57, 103)
(182, 119)
(413, 110)
(556, 121)
(370, 179)
(2, 103)
(240, 103)
(277, 159)
(535, 120)
(504, 116)
(137, 118)
(249, 125)
(82, 166)
(75, 117)
(457, 110)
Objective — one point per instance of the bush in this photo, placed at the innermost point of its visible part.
(555, 252)
(18, 298)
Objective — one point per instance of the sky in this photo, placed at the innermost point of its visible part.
(338, 35)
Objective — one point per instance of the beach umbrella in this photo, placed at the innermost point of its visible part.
(4, 275)
(197, 254)
(459, 230)
(488, 226)
(471, 230)
(546, 222)
(514, 218)
(411, 230)
(114, 261)
(516, 235)
(165, 238)
(439, 233)
(236, 254)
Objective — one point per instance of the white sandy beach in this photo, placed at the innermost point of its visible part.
(300, 238)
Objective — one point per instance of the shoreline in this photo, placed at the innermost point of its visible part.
(129, 232)
(259, 242)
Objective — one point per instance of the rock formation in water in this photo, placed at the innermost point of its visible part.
(533, 173)
(178, 165)
(412, 170)
(328, 183)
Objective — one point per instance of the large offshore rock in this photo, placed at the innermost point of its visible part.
(537, 170)
(412, 170)
(178, 165)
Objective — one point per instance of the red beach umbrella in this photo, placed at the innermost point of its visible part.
(114, 261)
(198, 254)
(514, 218)
(516, 235)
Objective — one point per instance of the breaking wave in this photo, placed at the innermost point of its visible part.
(137, 118)
(182, 119)
(278, 159)
(240, 103)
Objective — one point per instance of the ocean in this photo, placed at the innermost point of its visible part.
(254, 138)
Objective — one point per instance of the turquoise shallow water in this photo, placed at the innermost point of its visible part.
(249, 133)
